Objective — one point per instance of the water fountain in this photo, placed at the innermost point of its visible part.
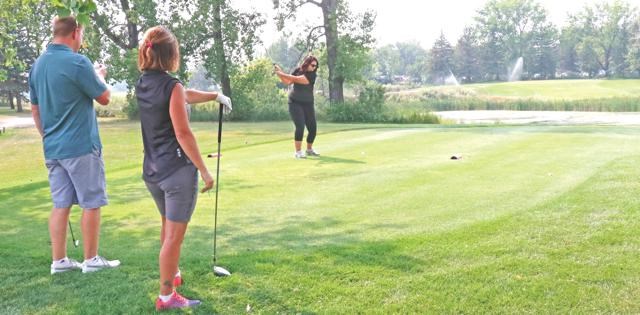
(451, 79)
(516, 72)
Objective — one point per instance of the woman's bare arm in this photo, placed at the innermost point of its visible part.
(195, 96)
(178, 114)
(288, 78)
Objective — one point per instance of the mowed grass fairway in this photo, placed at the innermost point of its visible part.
(547, 90)
(561, 89)
(532, 219)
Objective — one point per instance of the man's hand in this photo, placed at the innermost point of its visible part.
(101, 70)
(226, 101)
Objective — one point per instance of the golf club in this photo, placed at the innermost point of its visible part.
(75, 242)
(217, 270)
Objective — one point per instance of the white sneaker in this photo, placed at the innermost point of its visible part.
(312, 152)
(65, 264)
(98, 263)
(300, 155)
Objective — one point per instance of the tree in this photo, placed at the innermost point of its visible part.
(441, 60)
(568, 51)
(209, 32)
(508, 29)
(225, 39)
(604, 32)
(387, 63)
(354, 43)
(465, 59)
(413, 61)
(543, 54)
(120, 25)
(24, 31)
(407, 59)
(336, 18)
(633, 57)
(283, 53)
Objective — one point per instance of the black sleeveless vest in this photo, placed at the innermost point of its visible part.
(162, 152)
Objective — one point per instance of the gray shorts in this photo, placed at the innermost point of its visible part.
(79, 180)
(176, 195)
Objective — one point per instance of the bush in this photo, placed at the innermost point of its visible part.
(131, 109)
(115, 108)
(371, 107)
(368, 108)
(256, 95)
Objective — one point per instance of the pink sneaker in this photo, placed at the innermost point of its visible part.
(176, 301)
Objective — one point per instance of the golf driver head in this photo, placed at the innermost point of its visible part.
(76, 243)
(220, 272)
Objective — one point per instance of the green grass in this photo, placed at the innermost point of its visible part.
(550, 95)
(547, 90)
(533, 219)
(561, 89)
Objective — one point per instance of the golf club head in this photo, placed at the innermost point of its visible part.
(76, 243)
(220, 272)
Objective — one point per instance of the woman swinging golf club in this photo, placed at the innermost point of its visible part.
(171, 155)
(301, 106)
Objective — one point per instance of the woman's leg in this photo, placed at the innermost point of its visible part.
(170, 254)
(180, 194)
(164, 221)
(310, 121)
(297, 115)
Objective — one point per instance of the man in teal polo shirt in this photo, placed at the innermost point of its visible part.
(63, 85)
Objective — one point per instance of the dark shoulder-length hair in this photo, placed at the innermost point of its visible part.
(305, 64)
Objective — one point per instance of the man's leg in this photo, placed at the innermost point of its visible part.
(90, 232)
(58, 221)
(90, 240)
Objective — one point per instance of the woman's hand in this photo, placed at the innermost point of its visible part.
(207, 179)
(226, 101)
(276, 68)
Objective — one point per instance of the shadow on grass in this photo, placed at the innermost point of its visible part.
(324, 159)
(286, 252)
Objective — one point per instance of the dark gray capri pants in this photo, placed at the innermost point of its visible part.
(176, 195)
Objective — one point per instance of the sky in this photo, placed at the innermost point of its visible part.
(413, 20)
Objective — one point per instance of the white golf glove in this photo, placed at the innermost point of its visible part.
(226, 101)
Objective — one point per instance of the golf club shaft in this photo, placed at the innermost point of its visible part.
(217, 183)
(72, 236)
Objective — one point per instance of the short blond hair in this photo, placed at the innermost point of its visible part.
(159, 50)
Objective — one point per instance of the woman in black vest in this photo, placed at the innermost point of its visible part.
(171, 155)
(301, 106)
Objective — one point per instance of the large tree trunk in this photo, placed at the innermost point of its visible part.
(19, 103)
(329, 8)
(10, 96)
(223, 74)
